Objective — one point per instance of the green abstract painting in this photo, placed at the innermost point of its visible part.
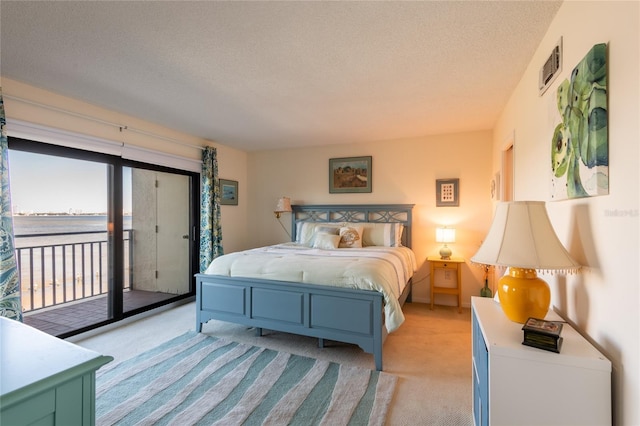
(580, 146)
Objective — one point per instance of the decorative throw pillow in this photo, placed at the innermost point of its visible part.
(328, 229)
(326, 241)
(350, 237)
(306, 231)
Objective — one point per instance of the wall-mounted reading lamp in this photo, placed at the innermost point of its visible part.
(283, 206)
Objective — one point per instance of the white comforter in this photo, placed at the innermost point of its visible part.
(383, 269)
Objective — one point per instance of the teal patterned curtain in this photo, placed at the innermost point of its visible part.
(10, 305)
(210, 229)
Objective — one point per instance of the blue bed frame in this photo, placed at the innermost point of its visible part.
(338, 314)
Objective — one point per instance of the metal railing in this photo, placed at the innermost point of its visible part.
(66, 271)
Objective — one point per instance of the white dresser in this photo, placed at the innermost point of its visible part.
(514, 384)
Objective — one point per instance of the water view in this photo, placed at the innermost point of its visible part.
(49, 224)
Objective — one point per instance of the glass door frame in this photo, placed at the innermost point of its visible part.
(115, 231)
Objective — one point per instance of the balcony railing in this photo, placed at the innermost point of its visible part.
(73, 268)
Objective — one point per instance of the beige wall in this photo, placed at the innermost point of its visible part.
(24, 102)
(404, 171)
(603, 300)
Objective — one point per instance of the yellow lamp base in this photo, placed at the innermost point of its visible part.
(523, 295)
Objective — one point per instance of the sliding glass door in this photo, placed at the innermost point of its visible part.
(60, 214)
(98, 238)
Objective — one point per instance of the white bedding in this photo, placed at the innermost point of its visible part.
(383, 269)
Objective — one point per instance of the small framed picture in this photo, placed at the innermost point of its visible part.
(495, 187)
(350, 174)
(228, 192)
(447, 192)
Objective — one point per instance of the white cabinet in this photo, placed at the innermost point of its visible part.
(516, 384)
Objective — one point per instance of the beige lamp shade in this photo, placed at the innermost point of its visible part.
(521, 236)
(283, 206)
(445, 235)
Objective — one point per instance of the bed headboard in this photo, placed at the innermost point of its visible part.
(379, 213)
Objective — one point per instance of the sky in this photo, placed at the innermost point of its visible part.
(48, 184)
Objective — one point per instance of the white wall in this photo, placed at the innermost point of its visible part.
(404, 172)
(603, 300)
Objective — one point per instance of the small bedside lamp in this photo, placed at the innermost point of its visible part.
(445, 235)
(521, 237)
(284, 206)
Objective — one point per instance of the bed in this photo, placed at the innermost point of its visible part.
(350, 315)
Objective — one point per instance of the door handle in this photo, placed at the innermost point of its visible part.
(185, 237)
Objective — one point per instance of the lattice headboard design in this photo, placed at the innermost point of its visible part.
(379, 213)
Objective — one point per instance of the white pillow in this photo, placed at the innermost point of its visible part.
(350, 237)
(382, 234)
(326, 241)
(332, 229)
(306, 231)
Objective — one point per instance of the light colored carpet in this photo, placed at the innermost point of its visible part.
(430, 354)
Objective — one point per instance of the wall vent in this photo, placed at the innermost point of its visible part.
(551, 68)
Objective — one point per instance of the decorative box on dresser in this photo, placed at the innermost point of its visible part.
(45, 380)
(514, 384)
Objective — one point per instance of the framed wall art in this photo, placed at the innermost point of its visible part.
(350, 174)
(447, 192)
(495, 187)
(228, 192)
(580, 140)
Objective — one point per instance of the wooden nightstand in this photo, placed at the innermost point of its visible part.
(453, 264)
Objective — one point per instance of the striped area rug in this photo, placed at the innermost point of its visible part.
(196, 379)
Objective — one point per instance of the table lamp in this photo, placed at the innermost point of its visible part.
(521, 238)
(445, 235)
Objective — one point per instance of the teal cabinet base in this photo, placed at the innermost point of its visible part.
(46, 381)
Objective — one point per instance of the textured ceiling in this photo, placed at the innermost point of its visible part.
(267, 75)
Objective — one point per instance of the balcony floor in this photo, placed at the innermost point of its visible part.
(69, 317)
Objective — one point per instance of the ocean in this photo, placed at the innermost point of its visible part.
(30, 225)
(54, 224)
